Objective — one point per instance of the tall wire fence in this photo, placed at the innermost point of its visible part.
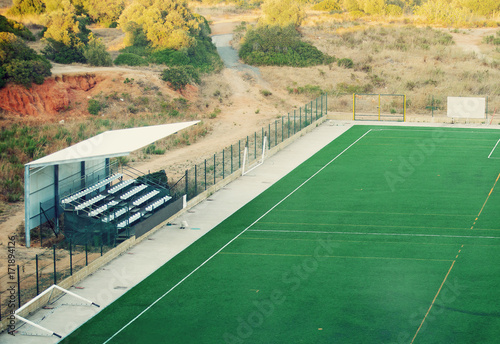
(222, 164)
(57, 261)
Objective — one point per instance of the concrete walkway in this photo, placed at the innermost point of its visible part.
(114, 279)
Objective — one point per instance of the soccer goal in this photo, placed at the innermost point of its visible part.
(47, 295)
(379, 107)
(248, 165)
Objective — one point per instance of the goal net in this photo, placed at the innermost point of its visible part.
(251, 162)
(379, 107)
(45, 298)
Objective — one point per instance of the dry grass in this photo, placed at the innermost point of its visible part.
(418, 62)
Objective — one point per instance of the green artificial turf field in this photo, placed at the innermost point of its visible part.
(387, 235)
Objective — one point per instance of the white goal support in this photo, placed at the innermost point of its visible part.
(246, 169)
(48, 292)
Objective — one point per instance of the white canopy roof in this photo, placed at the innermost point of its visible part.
(111, 144)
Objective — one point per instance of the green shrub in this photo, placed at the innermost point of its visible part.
(95, 106)
(265, 93)
(350, 89)
(19, 63)
(151, 149)
(18, 29)
(61, 53)
(22, 7)
(130, 59)
(203, 56)
(27, 72)
(276, 46)
(95, 52)
(282, 13)
(393, 10)
(345, 63)
(327, 5)
(179, 77)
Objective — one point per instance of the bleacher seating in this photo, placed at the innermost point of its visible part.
(90, 189)
(115, 215)
(130, 220)
(121, 205)
(133, 191)
(88, 203)
(144, 198)
(120, 186)
(102, 208)
(158, 203)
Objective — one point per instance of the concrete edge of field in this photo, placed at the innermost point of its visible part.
(110, 276)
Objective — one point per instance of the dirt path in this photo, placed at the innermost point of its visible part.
(470, 40)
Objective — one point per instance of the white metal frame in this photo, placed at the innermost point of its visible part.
(49, 290)
(260, 162)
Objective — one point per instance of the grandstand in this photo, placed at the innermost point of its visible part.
(98, 201)
(108, 211)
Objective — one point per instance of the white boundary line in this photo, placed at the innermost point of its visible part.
(233, 239)
(384, 234)
(493, 150)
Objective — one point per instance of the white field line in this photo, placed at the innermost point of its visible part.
(233, 239)
(493, 150)
(382, 234)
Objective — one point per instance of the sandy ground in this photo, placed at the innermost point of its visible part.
(471, 40)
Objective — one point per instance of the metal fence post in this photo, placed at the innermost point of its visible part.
(231, 159)
(70, 259)
(36, 271)
(239, 153)
(205, 174)
(275, 133)
(195, 180)
(86, 255)
(288, 125)
(282, 129)
(101, 249)
(18, 288)
(186, 180)
(294, 114)
(214, 169)
(255, 145)
(55, 271)
(269, 139)
(223, 164)
(300, 118)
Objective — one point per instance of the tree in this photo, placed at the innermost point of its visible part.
(350, 5)
(19, 63)
(18, 29)
(442, 11)
(21, 7)
(65, 36)
(95, 52)
(105, 12)
(482, 7)
(372, 6)
(165, 23)
(282, 13)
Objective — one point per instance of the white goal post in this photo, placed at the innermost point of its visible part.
(49, 291)
(244, 168)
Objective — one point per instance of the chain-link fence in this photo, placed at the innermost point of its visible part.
(222, 164)
(50, 266)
